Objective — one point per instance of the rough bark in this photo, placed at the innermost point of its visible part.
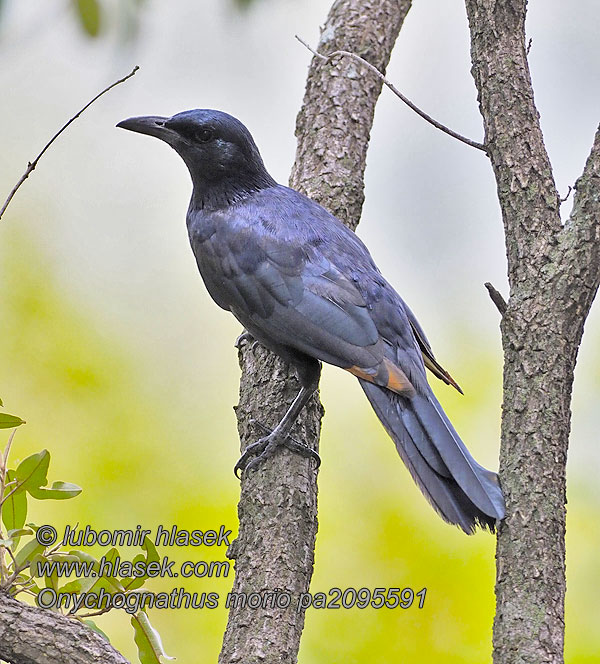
(553, 271)
(335, 121)
(278, 503)
(29, 635)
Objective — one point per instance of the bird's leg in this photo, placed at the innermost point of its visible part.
(290, 443)
(267, 445)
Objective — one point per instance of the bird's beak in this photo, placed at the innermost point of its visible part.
(153, 125)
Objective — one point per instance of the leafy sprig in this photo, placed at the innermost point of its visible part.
(25, 563)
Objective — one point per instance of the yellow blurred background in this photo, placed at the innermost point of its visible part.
(124, 369)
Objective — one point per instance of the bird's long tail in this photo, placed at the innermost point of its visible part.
(460, 490)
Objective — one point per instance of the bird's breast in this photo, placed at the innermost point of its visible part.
(225, 255)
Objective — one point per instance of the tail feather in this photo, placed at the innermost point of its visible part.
(478, 483)
(460, 490)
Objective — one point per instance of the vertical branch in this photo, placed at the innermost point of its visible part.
(334, 123)
(553, 275)
(278, 503)
(526, 190)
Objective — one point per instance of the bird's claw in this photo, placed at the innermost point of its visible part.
(266, 446)
(255, 449)
(246, 337)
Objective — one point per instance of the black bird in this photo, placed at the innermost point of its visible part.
(306, 287)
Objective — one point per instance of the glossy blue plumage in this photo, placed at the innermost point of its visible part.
(304, 285)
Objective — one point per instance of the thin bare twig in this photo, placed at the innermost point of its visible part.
(15, 575)
(529, 43)
(17, 486)
(3, 466)
(81, 616)
(32, 164)
(497, 298)
(392, 87)
(562, 200)
(4, 459)
(12, 557)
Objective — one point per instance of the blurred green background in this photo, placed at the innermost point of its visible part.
(125, 370)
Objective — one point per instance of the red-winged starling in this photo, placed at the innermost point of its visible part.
(305, 286)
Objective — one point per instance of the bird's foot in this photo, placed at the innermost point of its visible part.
(245, 337)
(266, 447)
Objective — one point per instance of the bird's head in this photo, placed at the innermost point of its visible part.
(218, 150)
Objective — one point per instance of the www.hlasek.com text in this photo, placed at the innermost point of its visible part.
(140, 568)
(178, 598)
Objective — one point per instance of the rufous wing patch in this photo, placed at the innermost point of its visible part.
(395, 380)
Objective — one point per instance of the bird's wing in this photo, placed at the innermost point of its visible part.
(428, 357)
(294, 296)
(298, 278)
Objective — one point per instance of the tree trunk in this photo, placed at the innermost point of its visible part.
(553, 274)
(278, 503)
(29, 635)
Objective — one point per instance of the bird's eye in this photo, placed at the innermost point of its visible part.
(203, 135)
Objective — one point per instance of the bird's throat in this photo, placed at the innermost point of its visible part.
(213, 194)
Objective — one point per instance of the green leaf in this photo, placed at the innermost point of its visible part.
(63, 557)
(110, 583)
(152, 554)
(133, 583)
(51, 581)
(32, 586)
(1, 404)
(14, 508)
(31, 472)
(80, 585)
(85, 558)
(84, 584)
(58, 491)
(17, 532)
(34, 562)
(89, 16)
(31, 549)
(147, 640)
(76, 586)
(10, 421)
(92, 625)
